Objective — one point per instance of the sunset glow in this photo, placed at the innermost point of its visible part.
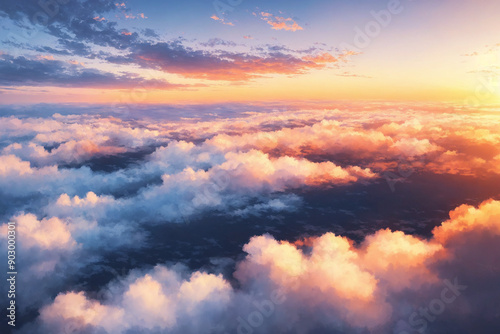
(250, 167)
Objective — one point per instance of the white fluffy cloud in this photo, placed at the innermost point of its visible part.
(322, 282)
(161, 298)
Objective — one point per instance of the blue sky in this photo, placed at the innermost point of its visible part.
(244, 50)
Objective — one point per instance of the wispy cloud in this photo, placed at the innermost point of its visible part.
(221, 20)
(47, 71)
(244, 164)
(279, 22)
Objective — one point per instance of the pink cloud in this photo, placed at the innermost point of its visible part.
(328, 279)
(221, 20)
(280, 23)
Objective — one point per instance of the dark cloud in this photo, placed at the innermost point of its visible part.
(77, 30)
(150, 33)
(77, 48)
(72, 22)
(174, 57)
(51, 50)
(213, 42)
(21, 71)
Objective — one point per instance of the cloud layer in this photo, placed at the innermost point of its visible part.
(84, 31)
(388, 283)
(88, 190)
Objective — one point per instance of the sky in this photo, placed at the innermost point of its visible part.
(247, 167)
(241, 50)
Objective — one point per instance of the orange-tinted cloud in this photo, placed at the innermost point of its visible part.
(221, 20)
(466, 219)
(159, 299)
(280, 23)
(49, 57)
(75, 62)
(225, 65)
(336, 282)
